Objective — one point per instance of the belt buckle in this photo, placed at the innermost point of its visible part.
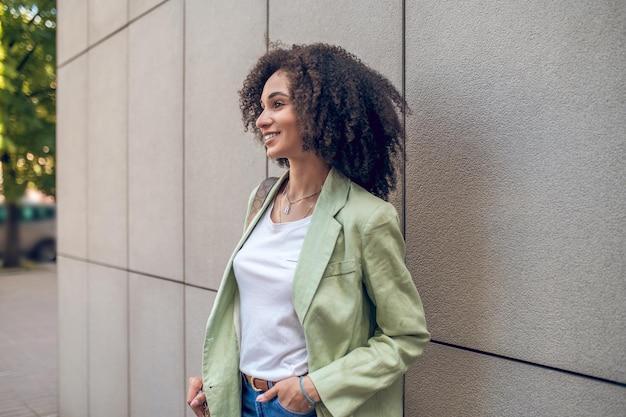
(252, 379)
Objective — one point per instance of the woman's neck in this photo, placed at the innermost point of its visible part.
(306, 176)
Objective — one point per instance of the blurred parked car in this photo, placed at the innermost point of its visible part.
(37, 231)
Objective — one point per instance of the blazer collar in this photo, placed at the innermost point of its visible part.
(334, 193)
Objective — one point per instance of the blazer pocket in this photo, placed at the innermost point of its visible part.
(339, 268)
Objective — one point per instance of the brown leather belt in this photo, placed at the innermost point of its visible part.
(258, 384)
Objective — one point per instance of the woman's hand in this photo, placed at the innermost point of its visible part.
(196, 398)
(290, 396)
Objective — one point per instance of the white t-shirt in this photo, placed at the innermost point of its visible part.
(272, 340)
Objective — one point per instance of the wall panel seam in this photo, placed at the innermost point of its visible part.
(530, 363)
(87, 217)
(404, 135)
(127, 234)
(404, 110)
(267, 46)
(132, 271)
(184, 194)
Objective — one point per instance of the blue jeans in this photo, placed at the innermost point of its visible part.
(273, 408)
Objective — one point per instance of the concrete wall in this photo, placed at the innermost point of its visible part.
(512, 198)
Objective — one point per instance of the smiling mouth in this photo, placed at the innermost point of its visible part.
(269, 136)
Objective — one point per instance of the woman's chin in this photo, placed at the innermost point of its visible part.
(272, 155)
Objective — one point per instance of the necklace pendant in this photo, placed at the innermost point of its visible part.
(287, 209)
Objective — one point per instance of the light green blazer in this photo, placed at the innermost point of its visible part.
(362, 316)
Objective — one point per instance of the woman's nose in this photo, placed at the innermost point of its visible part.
(262, 120)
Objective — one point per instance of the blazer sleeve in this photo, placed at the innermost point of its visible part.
(400, 327)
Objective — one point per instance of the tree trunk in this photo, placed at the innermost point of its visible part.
(12, 253)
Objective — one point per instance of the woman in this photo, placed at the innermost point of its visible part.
(317, 313)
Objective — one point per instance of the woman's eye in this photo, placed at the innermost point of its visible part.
(278, 104)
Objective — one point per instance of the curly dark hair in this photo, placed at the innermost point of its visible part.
(348, 113)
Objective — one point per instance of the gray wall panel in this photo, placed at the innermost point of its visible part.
(222, 163)
(157, 369)
(107, 153)
(155, 158)
(109, 393)
(73, 338)
(105, 17)
(72, 29)
(515, 179)
(71, 180)
(453, 382)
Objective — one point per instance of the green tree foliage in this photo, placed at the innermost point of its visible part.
(27, 95)
(27, 98)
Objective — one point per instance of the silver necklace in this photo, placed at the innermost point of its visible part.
(280, 216)
(287, 209)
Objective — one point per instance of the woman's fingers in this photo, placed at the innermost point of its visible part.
(268, 395)
(196, 399)
(198, 405)
(289, 395)
(195, 385)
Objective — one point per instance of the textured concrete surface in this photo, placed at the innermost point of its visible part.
(71, 29)
(72, 157)
(28, 343)
(108, 341)
(155, 116)
(515, 179)
(107, 147)
(73, 337)
(480, 385)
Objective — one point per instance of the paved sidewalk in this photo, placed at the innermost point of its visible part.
(28, 343)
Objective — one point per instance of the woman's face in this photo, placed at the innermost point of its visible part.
(278, 122)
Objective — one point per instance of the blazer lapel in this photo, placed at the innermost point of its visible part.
(319, 243)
